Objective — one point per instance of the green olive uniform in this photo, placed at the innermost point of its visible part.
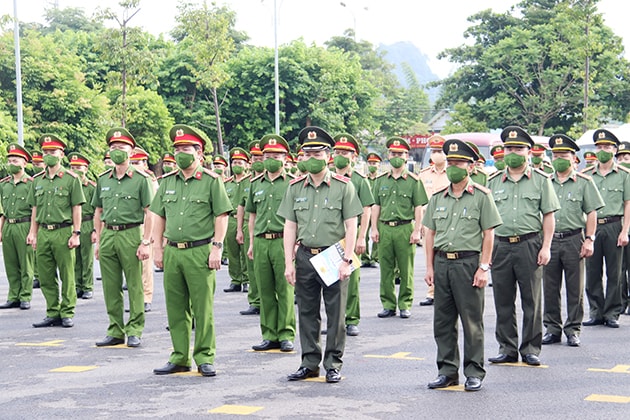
(18, 256)
(123, 202)
(190, 207)
(236, 254)
(479, 176)
(84, 267)
(253, 295)
(370, 256)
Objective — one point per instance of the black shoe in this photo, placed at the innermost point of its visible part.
(333, 376)
(427, 302)
(592, 322)
(531, 359)
(303, 373)
(67, 322)
(110, 341)
(87, 295)
(386, 313)
(612, 323)
(232, 288)
(169, 368)
(405, 313)
(133, 341)
(48, 322)
(224, 261)
(206, 369)
(252, 310)
(25, 305)
(397, 280)
(99, 278)
(628, 311)
(443, 381)
(503, 358)
(472, 384)
(124, 287)
(245, 288)
(551, 338)
(352, 330)
(573, 340)
(286, 345)
(365, 265)
(266, 345)
(79, 294)
(10, 304)
(36, 284)
(324, 332)
(147, 307)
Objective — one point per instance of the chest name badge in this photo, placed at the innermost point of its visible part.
(169, 192)
(301, 199)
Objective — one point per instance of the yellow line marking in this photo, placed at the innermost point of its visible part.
(456, 388)
(399, 356)
(117, 346)
(519, 364)
(277, 351)
(608, 398)
(616, 369)
(242, 410)
(53, 343)
(74, 369)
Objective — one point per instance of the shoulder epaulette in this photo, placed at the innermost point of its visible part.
(359, 173)
(383, 174)
(582, 175)
(428, 168)
(257, 177)
(541, 172)
(481, 188)
(5, 179)
(209, 172)
(39, 174)
(341, 178)
(483, 171)
(623, 168)
(586, 170)
(71, 173)
(441, 190)
(230, 179)
(169, 174)
(414, 176)
(296, 180)
(105, 172)
(92, 183)
(494, 175)
(143, 173)
(290, 176)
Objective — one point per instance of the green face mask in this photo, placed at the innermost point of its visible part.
(560, 164)
(51, 160)
(625, 165)
(14, 169)
(513, 160)
(258, 166)
(218, 171)
(237, 170)
(455, 174)
(293, 169)
(315, 166)
(372, 169)
(604, 156)
(536, 160)
(499, 164)
(341, 162)
(272, 165)
(184, 160)
(301, 166)
(167, 169)
(397, 162)
(108, 167)
(118, 156)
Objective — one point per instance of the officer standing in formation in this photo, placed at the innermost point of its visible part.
(538, 158)
(313, 198)
(168, 163)
(613, 221)
(190, 210)
(623, 159)
(577, 216)
(38, 166)
(14, 226)
(121, 202)
(526, 201)
(460, 221)
(56, 197)
(396, 215)
(498, 154)
(370, 257)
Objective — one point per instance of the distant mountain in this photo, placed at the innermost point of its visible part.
(402, 52)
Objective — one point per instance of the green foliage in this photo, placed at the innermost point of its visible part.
(463, 121)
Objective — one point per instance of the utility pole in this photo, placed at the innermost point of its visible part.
(18, 75)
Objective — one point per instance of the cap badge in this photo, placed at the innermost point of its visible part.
(343, 140)
(396, 143)
(559, 141)
(12, 147)
(47, 139)
(312, 135)
(622, 147)
(272, 142)
(117, 134)
(179, 133)
(75, 157)
(257, 146)
(453, 147)
(512, 134)
(602, 135)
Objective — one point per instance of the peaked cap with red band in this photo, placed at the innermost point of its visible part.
(397, 144)
(374, 157)
(168, 157)
(237, 153)
(15, 149)
(274, 143)
(77, 159)
(51, 142)
(182, 134)
(254, 148)
(37, 156)
(436, 142)
(345, 141)
(120, 135)
(139, 154)
(219, 160)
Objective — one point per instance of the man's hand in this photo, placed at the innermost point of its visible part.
(74, 241)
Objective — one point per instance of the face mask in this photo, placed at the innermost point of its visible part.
(51, 160)
(397, 162)
(604, 156)
(272, 165)
(184, 160)
(167, 169)
(372, 169)
(301, 166)
(293, 170)
(438, 158)
(499, 164)
(258, 166)
(217, 171)
(315, 166)
(560, 164)
(14, 169)
(513, 160)
(536, 160)
(455, 174)
(108, 167)
(625, 165)
(237, 170)
(341, 162)
(118, 156)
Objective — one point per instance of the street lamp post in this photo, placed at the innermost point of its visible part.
(276, 70)
(18, 74)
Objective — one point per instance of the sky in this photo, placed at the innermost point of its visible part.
(432, 26)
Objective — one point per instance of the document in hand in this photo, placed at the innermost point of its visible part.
(327, 262)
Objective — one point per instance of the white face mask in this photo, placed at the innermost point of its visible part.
(438, 158)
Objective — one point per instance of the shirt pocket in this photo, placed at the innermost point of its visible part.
(531, 199)
(440, 219)
(573, 202)
(61, 198)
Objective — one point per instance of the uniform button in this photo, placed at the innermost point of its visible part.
(183, 198)
(185, 183)
(115, 208)
(179, 228)
(181, 213)
(315, 205)
(314, 220)
(114, 220)
(452, 228)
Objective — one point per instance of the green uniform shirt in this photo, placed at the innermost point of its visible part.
(479, 176)
(458, 222)
(320, 211)
(362, 188)
(123, 200)
(264, 199)
(237, 191)
(88, 190)
(578, 196)
(398, 198)
(614, 187)
(522, 204)
(54, 197)
(15, 197)
(245, 186)
(190, 205)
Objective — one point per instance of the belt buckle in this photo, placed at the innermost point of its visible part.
(11, 220)
(182, 245)
(514, 239)
(50, 227)
(451, 255)
(268, 235)
(314, 251)
(116, 227)
(392, 224)
(601, 221)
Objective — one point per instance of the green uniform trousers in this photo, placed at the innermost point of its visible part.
(308, 291)
(35, 270)
(18, 261)
(608, 306)
(189, 290)
(565, 262)
(253, 295)
(277, 315)
(515, 265)
(369, 256)
(396, 251)
(84, 267)
(455, 296)
(625, 283)
(53, 254)
(117, 254)
(236, 254)
(353, 306)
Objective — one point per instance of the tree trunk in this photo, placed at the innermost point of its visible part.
(218, 121)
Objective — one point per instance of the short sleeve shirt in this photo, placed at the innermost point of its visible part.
(614, 187)
(89, 187)
(578, 196)
(54, 197)
(14, 196)
(363, 189)
(264, 200)
(398, 197)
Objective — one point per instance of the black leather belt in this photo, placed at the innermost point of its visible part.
(313, 251)
(271, 235)
(20, 220)
(518, 238)
(55, 226)
(396, 222)
(186, 245)
(87, 218)
(456, 255)
(568, 233)
(610, 219)
(122, 227)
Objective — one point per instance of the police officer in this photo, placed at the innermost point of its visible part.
(623, 159)
(56, 197)
(370, 257)
(590, 158)
(538, 158)
(460, 221)
(498, 154)
(14, 226)
(38, 166)
(168, 163)
(477, 173)
(191, 210)
(121, 201)
(346, 152)
(613, 222)
(396, 215)
(579, 200)
(320, 209)
(526, 201)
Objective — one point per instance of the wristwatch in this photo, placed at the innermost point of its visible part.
(591, 237)
(484, 267)
(146, 242)
(347, 260)
(218, 244)
(76, 232)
